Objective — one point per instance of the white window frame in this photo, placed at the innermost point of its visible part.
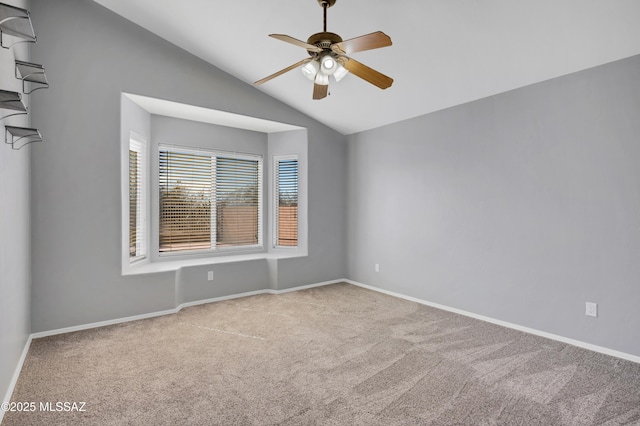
(213, 250)
(138, 144)
(276, 201)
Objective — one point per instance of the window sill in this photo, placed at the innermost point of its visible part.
(147, 267)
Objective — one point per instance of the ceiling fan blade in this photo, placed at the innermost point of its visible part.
(368, 74)
(320, 91)
(366, 42)
(295, 41)
(287, 69)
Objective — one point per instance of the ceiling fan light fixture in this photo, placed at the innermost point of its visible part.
(328, 64)
(310, 70)
(322, 79)
(340, 72)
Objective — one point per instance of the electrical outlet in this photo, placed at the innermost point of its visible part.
(377, 267)
(210, 275)
(591, 309)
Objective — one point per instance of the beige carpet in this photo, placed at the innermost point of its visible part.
(334, 355)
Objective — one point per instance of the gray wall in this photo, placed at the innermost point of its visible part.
(175, 131)
(91, 56)
(15, 275)
(519, 207)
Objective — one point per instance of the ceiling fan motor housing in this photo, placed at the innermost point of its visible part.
(323, 40)
(329, 3)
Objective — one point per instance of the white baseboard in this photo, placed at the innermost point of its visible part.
(304, 287)
(16, 374)
(173, 311)
(101, 323)
(578, 343)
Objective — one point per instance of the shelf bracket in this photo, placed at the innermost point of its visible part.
(21, 136)
(12, 115)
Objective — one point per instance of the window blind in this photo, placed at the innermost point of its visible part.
(208, 201)
(238, 198)
(137, 204)
(286, 214)
(185, 184)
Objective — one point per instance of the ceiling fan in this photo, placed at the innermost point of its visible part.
(328, 57)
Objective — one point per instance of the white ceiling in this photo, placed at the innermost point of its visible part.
(444, 53)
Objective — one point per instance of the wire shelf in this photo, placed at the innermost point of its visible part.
(21, 136)
(16, 22)
(31, 73)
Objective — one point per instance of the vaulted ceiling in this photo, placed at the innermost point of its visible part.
(444, 52)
